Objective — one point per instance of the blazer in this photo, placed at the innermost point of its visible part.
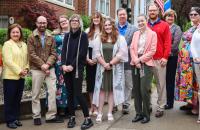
(149, 49)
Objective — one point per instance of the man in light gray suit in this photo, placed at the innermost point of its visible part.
(127, 30)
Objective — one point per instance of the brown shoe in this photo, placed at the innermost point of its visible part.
(159, 114)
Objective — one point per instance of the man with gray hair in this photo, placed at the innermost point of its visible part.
(127, 30)
(42, 56)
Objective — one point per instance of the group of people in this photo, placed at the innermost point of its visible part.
(121, 61)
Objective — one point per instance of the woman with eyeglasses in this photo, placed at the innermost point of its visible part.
(61, 95)
(195, 49)
(74, 53)
(186, 85)
(176, 33)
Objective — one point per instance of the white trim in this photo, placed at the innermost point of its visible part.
(90, 8)
(104, 10)
(62, 4)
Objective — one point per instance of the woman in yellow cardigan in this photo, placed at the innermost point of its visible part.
(15, 68)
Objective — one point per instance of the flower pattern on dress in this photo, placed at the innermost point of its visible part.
(185, 81)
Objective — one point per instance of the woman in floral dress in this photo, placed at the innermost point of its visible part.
(61, 95)
(186, 86)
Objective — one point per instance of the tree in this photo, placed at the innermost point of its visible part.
(29, 13)
(182, 8)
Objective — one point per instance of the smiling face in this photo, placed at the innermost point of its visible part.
(194, 17)
(153, 12)
(122, 16)
(41, 23)
(108, 27)
(142, 23)
(74, 23)
(96, 20)
(170, 18)
(15, 34)
(64, 22)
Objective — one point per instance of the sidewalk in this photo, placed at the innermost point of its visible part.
(173, 119)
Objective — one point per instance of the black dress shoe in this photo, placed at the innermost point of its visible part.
(18, 123)
(12, 125)
(87, 124)
(71, 123)
(57, 119)
(145, 120)
(137, 118)
(168, 107)
(37, 121)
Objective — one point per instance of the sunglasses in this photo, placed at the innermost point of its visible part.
(193, 14)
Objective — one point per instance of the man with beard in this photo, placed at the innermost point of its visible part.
(126, 30)
(161, 56)
(42, 56)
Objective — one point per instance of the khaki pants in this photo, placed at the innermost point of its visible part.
(197, 73)
(38, 77)
(128, 85)
(160, 77)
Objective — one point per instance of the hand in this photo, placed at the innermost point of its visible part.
(65, 68)
(163, 62)
(45, 67)
(23, 72)
(91, 62)
(137, 61)
(70, 68)
(47, 72)
(138, 66)
(107, 66)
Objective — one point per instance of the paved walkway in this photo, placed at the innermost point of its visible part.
(173, 120)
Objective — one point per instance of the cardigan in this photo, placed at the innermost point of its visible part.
(15, 59)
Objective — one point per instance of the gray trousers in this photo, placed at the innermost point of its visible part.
(142, 88)
(197, 72)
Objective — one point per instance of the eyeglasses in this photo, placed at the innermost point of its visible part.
(170, 15)
(42, 23)
(64, 21)
(193, 14)
(74, 20)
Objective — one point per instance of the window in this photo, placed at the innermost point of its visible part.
(3, 21)
(65, 3)
(103, 6)
(68, 2)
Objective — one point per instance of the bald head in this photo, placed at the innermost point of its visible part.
(41, 23)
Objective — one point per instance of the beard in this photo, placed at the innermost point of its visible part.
(153, 17)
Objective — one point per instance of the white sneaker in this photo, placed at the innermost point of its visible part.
(95, 113)
(99, 118)
(110, 117)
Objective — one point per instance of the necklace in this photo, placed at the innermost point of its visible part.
(19, 45)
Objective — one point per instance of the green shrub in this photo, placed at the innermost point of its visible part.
(28, 83)
(86, 21)
(3, 35)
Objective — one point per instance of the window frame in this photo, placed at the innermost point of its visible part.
(62, 3)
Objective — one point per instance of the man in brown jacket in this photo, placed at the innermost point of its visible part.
(42, 56)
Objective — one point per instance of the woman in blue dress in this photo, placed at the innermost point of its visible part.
(61, 95)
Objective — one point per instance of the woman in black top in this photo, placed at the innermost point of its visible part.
(73, 59)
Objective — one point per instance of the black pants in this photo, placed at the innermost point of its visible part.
(170, 79)
(13, 90)
(90, 77)
(75, 91)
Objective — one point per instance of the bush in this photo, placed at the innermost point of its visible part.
(3, 35)
(86, 21)
(28, 83)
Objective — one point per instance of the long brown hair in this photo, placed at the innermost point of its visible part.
(114, 33)
(92, 26)
(10, 29)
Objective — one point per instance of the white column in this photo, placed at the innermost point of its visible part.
(90, 8)
(142, 8)
(136, 11)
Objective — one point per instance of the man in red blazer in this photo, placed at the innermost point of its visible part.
(161, 56)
